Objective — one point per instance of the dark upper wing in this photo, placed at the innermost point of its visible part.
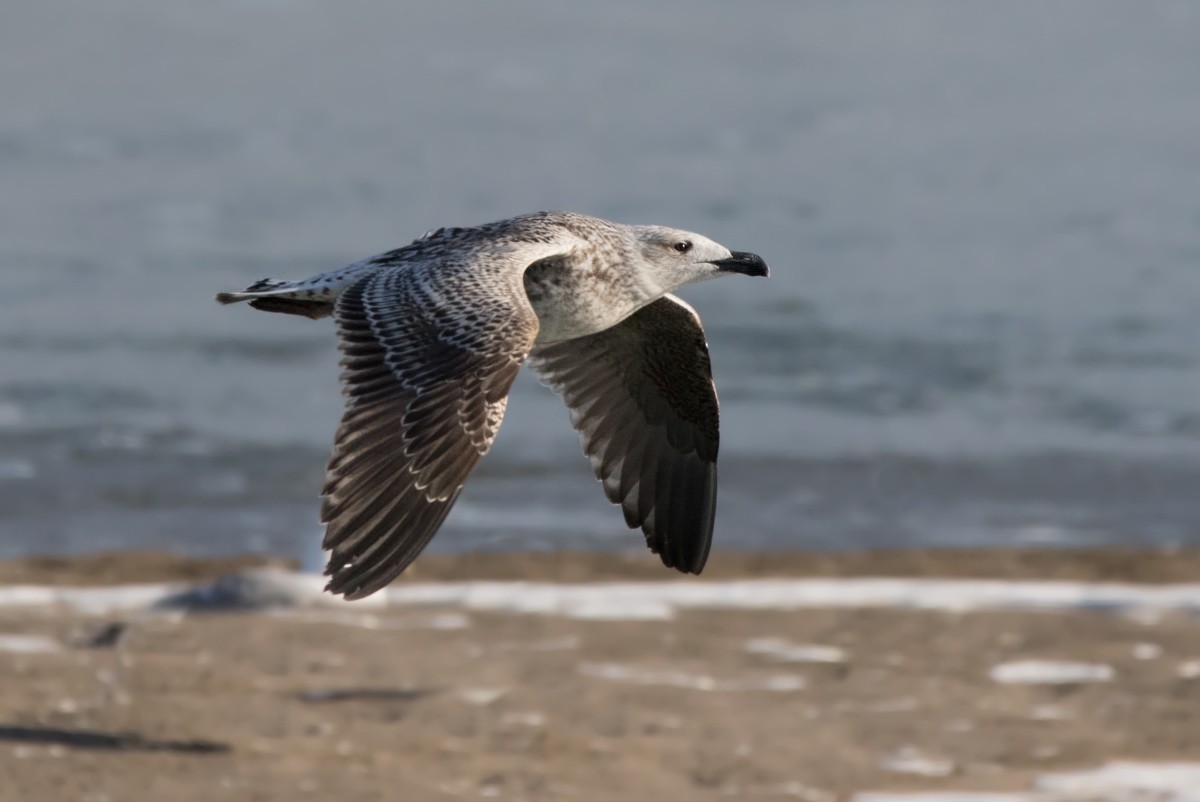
(642, 397)
(428, 359)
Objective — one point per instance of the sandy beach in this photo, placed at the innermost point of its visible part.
(439, 702)
(977, 345)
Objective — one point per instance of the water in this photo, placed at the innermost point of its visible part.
(983, 221)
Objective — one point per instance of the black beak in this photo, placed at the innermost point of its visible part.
(748, 264)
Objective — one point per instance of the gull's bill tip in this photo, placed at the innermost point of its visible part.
(748, 264)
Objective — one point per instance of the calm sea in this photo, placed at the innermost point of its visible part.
(983, 221)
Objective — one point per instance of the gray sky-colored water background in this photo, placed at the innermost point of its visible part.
(983, 221)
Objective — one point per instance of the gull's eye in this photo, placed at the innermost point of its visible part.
(683, 246)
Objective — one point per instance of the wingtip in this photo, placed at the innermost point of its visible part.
(228, 297)
(341, 585)
(335, 588)
(693, 564)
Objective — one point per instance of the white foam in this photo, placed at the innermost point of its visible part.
(1050, 672)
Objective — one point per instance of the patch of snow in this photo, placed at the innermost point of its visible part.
(447, 621)
(266, 588)
(1050, 672)
(527, 719)
(777, 682)
(269, 588)
(654, 600)
(1189, 669)
(607, 611)
(1147, 651)
(89, 601)
(1123, 781)
(481, 696)
(350, 618)
(617, 672)
(910, 760)
(1119, 781)
(783, 651)
(1049, 713)
(29, 644)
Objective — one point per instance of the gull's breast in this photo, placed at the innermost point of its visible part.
(574, 300)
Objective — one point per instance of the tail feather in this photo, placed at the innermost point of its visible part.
(291, 306)
(289, 297)
(264, 286)
(312, 297)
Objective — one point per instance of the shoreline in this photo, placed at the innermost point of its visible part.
(1135, 566)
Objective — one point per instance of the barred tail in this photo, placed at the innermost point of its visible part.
(288, 297)
(313, 297)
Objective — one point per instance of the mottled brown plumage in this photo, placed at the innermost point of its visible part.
(432, 336)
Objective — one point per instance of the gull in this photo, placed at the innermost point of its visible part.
(433, 334)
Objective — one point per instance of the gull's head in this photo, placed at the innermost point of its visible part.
(675, 257)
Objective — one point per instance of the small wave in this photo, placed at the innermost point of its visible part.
(862, 372)
(16, 469)
(11, 415)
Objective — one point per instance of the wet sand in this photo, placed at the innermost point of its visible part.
(437, 703)
(1098, 565)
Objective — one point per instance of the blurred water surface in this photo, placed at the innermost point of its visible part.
(983, 220)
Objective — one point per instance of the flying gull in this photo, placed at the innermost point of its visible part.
(433, 334)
